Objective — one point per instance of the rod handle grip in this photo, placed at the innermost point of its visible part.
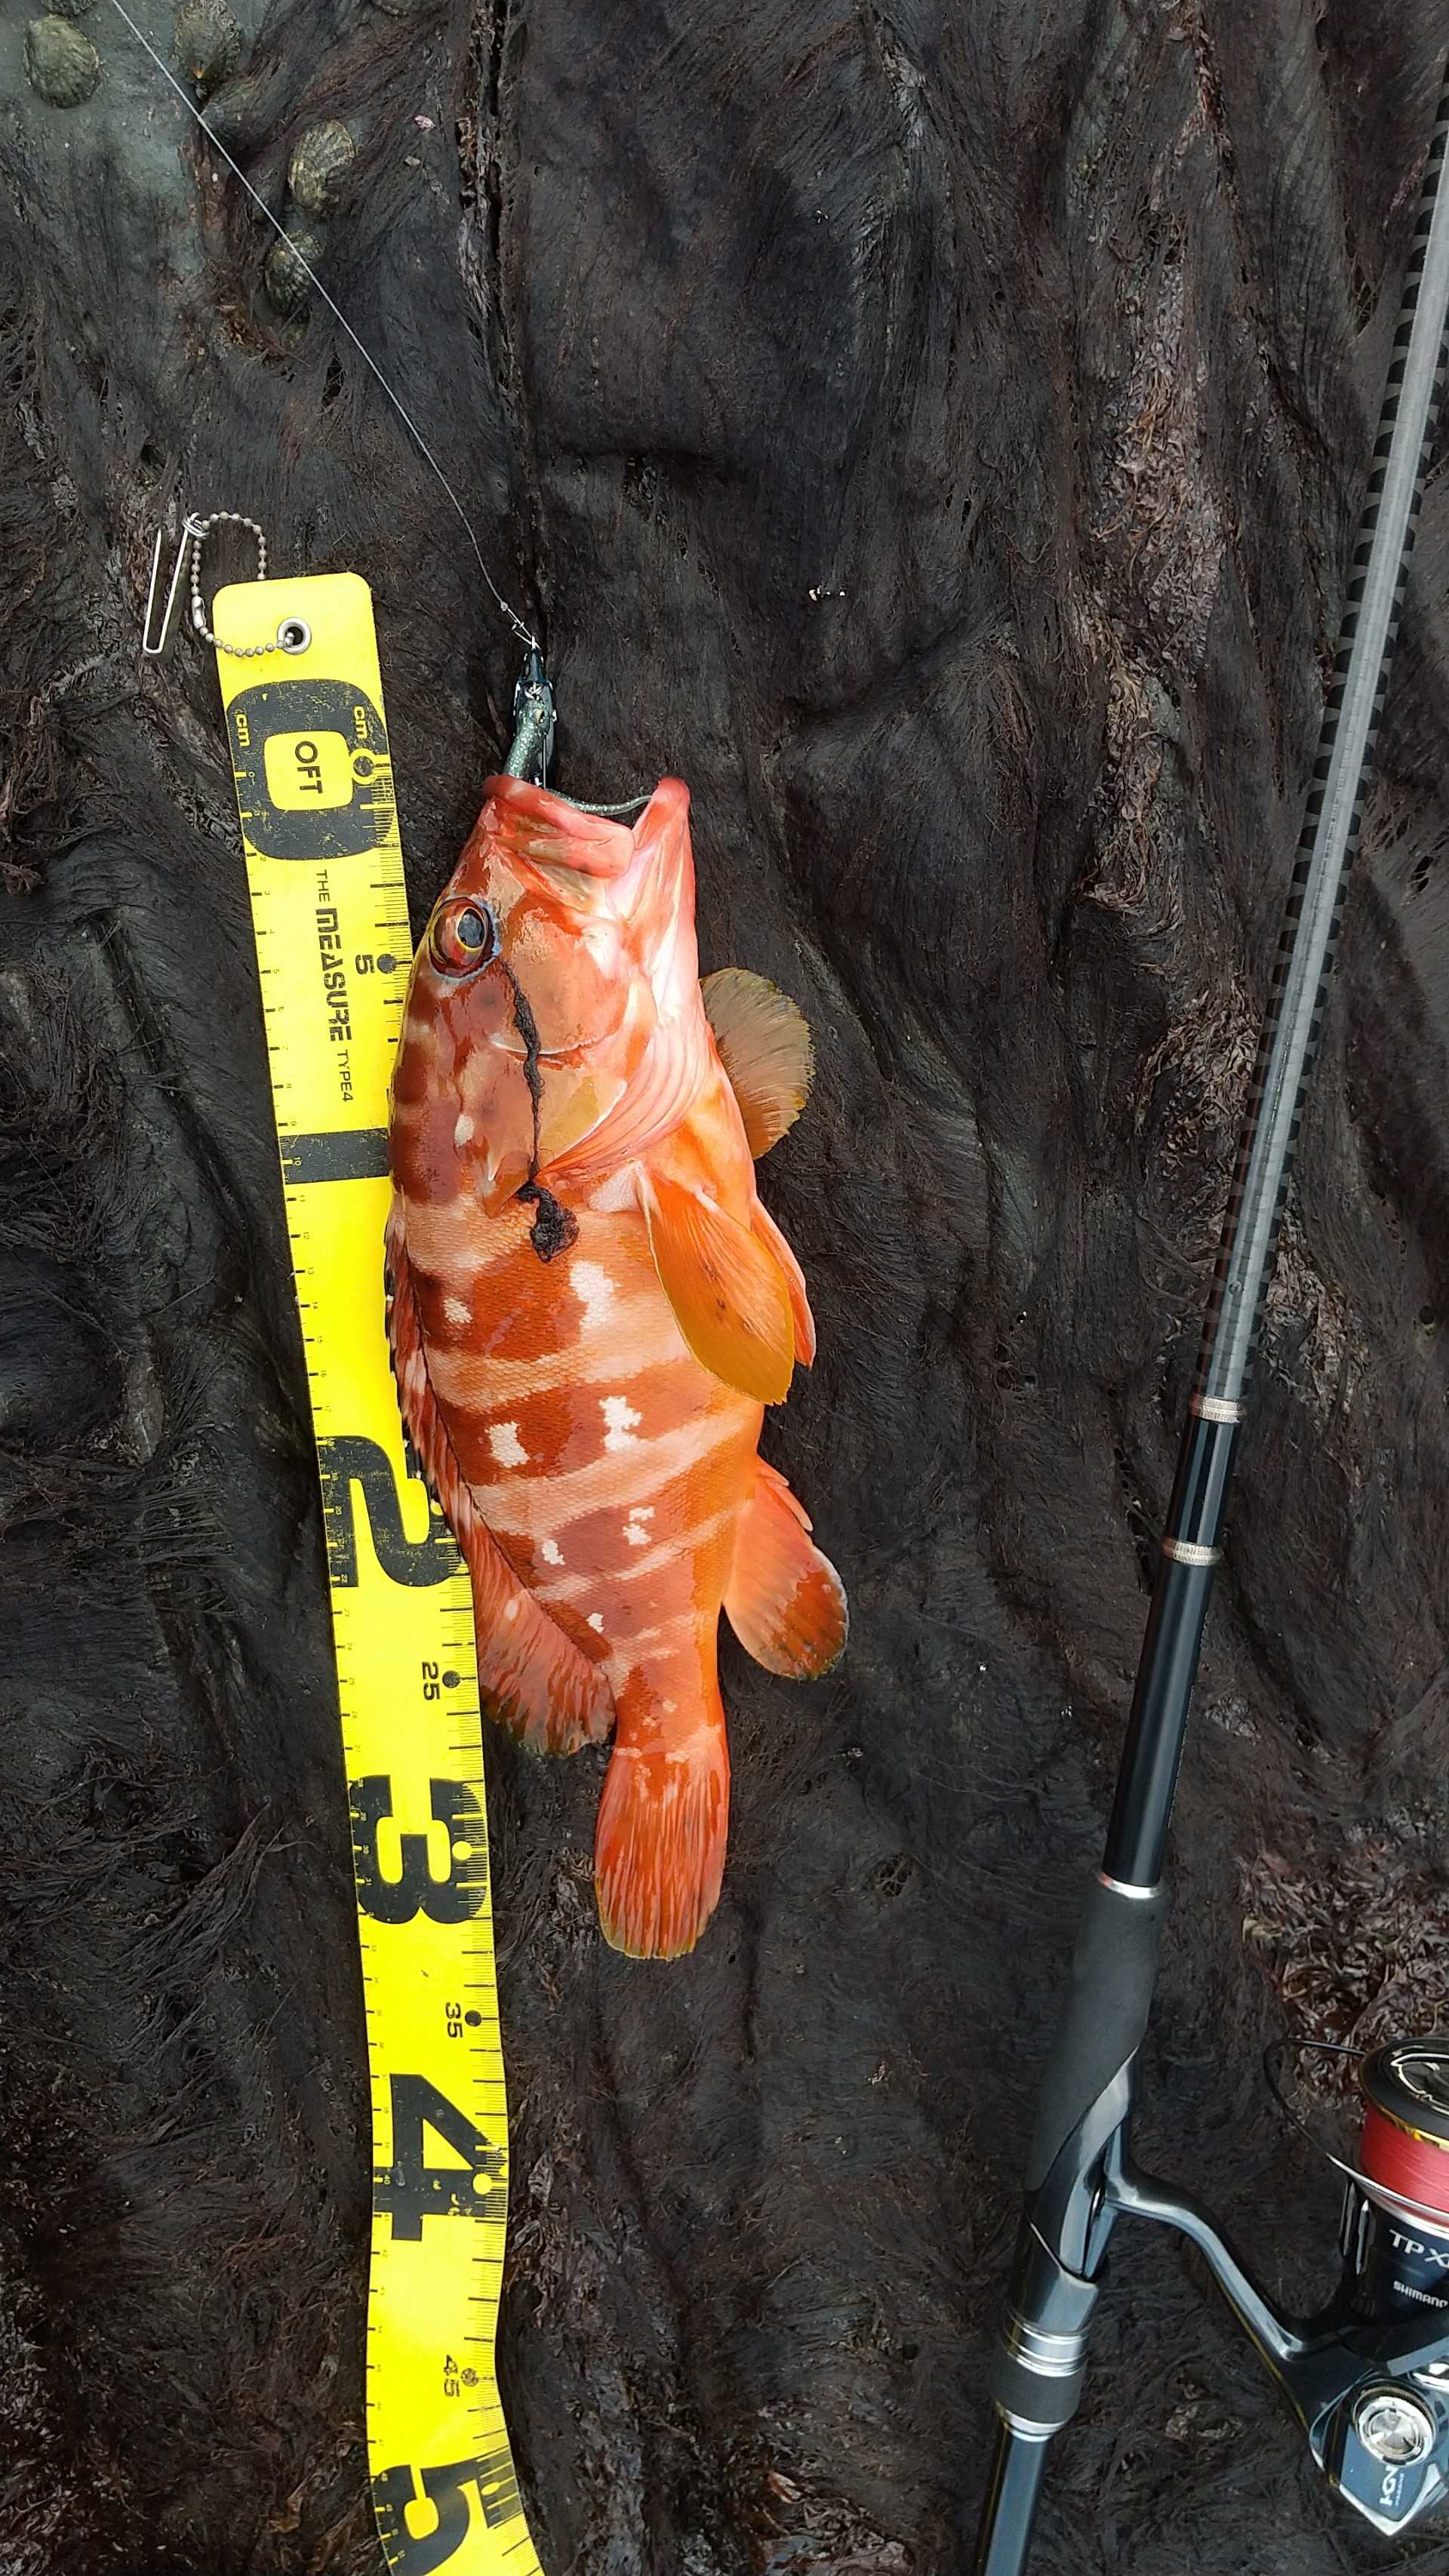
(1104, 2016)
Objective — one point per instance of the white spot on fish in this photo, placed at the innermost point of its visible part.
(634, 1530)
(620, 1421)
(551, 1552)
(506, 1446)
(510, 1609)
(617, 1190)
(594, 1290)
(596, 1620)
(456, 1309)
(463, 1131)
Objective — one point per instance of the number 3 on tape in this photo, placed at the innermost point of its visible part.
(314, 791)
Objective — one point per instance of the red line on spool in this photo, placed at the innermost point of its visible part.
(1409, 2167)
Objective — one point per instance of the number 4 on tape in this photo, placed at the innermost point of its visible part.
(314, 791)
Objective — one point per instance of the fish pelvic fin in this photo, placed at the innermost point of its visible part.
(532, 1678)
(659, 1845)
(730, 1296)
(784, 1600)
(803, 1322)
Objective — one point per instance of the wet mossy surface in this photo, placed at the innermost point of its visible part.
(939, 438)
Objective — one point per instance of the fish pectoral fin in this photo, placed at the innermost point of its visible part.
(784, 1600)
(764, 1046)
(763, 1225)
(532, 1678)
(730, 1295)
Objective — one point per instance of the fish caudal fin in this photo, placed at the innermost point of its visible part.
(659, 1846)
(785, 1601)
(532, 1678)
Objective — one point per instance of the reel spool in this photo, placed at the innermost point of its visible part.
(1399, 2248)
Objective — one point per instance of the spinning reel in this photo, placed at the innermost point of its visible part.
(1369, 2374)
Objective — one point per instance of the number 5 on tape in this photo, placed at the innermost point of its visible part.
(314, 791)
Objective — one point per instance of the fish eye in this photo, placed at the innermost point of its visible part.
(463, 935)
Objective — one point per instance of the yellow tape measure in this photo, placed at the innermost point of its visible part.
(314, 790)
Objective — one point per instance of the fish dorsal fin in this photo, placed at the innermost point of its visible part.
(730, 1297)
(764, 1046)
(527, 822)
(532, 1678)
(785, 1601)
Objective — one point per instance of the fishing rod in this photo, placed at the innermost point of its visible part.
(1369, 2374)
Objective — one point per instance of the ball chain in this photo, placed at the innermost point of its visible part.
(200, 530)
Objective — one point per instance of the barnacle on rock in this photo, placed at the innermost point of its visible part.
(242, 112)
(60, 63)
(207, 41)
(320, 166)
(285, 279)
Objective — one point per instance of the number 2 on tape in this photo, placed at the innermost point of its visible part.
(319, 822)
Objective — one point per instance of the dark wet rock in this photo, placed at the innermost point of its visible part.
(937, 433)
(321, 165)
(207, 42)
(60, 62)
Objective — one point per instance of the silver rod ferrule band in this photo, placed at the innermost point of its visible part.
(1051, 2355)
(1024, 2431)
(1217, 1408)
(1124, 1887)
(1186, 1551)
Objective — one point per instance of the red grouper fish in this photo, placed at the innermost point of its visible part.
(589, 1312)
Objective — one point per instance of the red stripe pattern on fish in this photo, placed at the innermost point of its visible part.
(589, 1311)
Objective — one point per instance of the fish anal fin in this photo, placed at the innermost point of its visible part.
(765, 1048)
(763, 1225)
(784, 1600)
(532, 1678)
(730, 1295)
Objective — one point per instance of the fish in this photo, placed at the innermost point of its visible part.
(589, 1311)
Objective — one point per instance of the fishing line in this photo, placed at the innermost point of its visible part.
(523, 633)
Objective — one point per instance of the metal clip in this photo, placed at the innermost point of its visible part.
(149, 647)
(194, 534)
